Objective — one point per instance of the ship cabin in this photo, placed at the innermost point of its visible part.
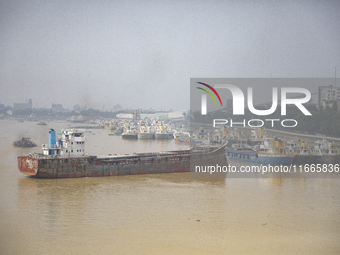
(70, 144)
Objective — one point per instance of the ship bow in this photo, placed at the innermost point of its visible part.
(28, 165)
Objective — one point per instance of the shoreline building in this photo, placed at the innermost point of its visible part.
(328, 94)
(23, 106)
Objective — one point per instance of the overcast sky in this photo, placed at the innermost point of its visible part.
(98, 53)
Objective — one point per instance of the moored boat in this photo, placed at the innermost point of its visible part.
(129, 133)
(253, 156)
(323, 152)
(268, 152)
(145, 132)
(164, 133)
(145, 135)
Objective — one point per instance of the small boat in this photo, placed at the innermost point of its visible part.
(24, 142)
(42, 123)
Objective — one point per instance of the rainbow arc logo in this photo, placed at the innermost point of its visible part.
(209, 93)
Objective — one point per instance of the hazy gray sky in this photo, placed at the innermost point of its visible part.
(143, 53)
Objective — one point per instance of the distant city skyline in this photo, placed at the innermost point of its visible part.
(53, 106)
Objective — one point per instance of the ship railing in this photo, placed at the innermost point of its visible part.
(56, 156)
(46, 146)
(175, 153)
(131, 157)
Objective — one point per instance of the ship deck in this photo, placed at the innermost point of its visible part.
(196, 150)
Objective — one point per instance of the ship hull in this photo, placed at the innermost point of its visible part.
(129, 136)
(316, 159)
(24, 146)
(91, 166)
(164, 136)
(252, 157)
(146, 136)
(180, 141)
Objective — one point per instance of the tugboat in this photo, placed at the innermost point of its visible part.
(24, 142)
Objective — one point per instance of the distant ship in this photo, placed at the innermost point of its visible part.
(323, 153)
(129, 133)
(145, 132)
(163, 133)
(259, 157)
(24, 142)
(183, 138)
(257, 136)
(269, 152)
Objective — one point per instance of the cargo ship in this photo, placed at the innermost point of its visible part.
(145, 132)
(129, 133)
(253, 156)
(268, 152)
(323, 152)
(164, 133)
(65, 158)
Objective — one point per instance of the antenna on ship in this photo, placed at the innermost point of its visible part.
(335, 78)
